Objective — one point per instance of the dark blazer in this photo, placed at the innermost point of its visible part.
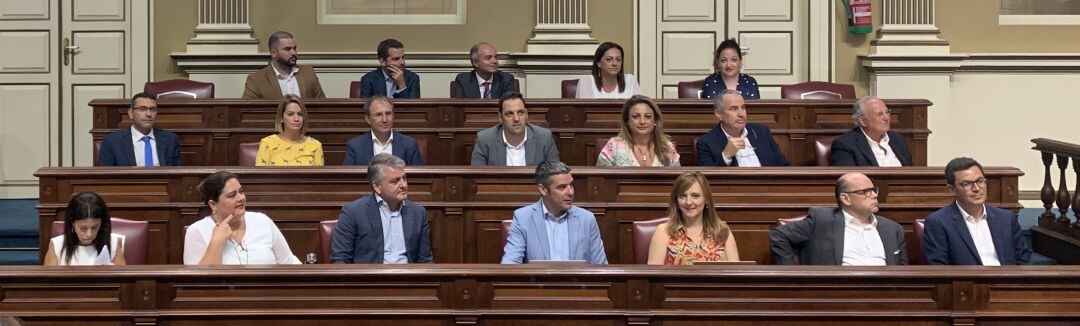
(360, 149)
(852, 149)
(819, 239)
(491, 150)
(358, 236)
(374, 82)
(467, 86)
(710, 147)
(263, 83)
(947, 241)
(117, 149)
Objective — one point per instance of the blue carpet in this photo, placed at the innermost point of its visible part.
(18, 232)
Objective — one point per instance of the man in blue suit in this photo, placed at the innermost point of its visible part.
(383, 227)
(734, 142)
(391, 79)
(970, 232)
(142, 144)
(553, 228)
(382, 138)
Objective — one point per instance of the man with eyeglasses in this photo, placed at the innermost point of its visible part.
(970, 232)
(142, 144)
(870, 143)
(849, 235)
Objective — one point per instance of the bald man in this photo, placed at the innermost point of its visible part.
(485, 80)
(849, 235)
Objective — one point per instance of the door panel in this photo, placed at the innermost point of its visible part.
(82, 94)
(773, 34)
(25, 51)
(104, 53)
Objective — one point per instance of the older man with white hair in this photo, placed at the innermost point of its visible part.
(870, 143)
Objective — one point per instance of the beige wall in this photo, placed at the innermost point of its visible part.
(506, 24)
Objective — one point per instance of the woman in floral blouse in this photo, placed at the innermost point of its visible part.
(693, 232)
(641, 140)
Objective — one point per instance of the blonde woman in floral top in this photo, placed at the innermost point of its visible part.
(641, 140)
(693, 232)
(290, 146)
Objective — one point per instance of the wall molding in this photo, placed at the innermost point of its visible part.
(972, 62)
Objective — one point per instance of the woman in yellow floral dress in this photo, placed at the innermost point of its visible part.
(693, 231)
(290, 146)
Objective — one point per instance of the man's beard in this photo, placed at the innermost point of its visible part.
(286, 62)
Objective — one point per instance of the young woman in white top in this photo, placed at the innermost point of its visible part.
(607, 79)
(231, 235)
(87, 231)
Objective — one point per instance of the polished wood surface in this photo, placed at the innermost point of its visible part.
(466, 205)
(541, 295)
(212, 130)
(1056, 234)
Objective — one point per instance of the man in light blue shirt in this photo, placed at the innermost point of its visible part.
(553, 228)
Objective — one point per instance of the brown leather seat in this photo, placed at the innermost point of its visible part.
(453, 88)
(354, 89)
(326, 235)
(97, 151)
(690, 89)
(915, 257)
(817, 90)
(569, 88)
(642, 235)
(247, 153)
(179, 89)
(822, 149)
(421, 145)
(136, 236)
(504, 229)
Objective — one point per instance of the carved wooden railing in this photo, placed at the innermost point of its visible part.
(1057, 235)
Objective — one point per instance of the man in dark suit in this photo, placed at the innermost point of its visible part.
(391, 79)
(383, 227)
(733, 141)
(142, 144)
(283, 75)
(849, 235)
(486, 80)
(382, 138)
(870, 143)
(969, 232)
(514, 142)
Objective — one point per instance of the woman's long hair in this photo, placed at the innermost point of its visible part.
(712, 227)
(659, 139)
(599, 56)
(83, 206)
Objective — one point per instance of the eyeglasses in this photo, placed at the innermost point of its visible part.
(867, 192)
(970, 185)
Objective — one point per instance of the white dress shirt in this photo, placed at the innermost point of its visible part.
(140, 147)
(980, 234)
(394, 251)
(288, 82)
(379, 148)
(263, 243)
(862, 243)
(480, 83)
(515, 155)
(884, 154)
(746, 156)
(587, 88)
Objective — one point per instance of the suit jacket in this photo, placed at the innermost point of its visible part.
(490, 149)
(263, 83)
(819, 239)
(467, 86)
(852, 149)
(947, 240)
(360, 149)
(117, 148)
(374, 82)
(528, 238)
(358, 236)
(710, 147)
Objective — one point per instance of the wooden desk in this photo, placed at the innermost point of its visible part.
(541, 295)
(211, 131)
(466, 204)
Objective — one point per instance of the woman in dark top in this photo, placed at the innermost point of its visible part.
(728, 64)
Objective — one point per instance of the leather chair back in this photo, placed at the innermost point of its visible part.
(822, 149)
(247, 153)
(504, 229)
(690, 89)
(421, 145)
(642, 235)
(97, 151)
(179, 89)
(569, 88)
(817, 90)
(326, 234)
(136, 236)
(354, 89)
(915, 256)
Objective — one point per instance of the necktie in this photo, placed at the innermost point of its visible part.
(148, 152)
(487, 89)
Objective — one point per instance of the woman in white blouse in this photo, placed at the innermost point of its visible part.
(87, 232)
(607, 79)
(231, 235)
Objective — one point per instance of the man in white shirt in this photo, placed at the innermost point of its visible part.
(514, 142)
(870, 143)
(283, 76)
(485, 80)
(970, 232)
(851, 234)
(734, 141)
(142, 144)
(383, 138)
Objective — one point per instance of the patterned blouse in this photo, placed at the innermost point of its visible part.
(618, 152)
(274, 151)
(714, 84)
(681, 250)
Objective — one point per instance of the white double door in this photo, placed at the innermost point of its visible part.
(55, 56)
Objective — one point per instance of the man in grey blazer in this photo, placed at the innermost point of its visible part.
(514, 142)
(553, 228)
(383, 227)
(849, 235)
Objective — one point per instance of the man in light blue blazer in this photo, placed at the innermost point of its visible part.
(380, 116)
(142, 144)
(553, 228)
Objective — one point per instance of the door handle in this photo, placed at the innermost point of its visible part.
(744, 49)
(68, 50)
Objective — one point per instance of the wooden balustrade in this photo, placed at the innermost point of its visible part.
(1057, 236)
